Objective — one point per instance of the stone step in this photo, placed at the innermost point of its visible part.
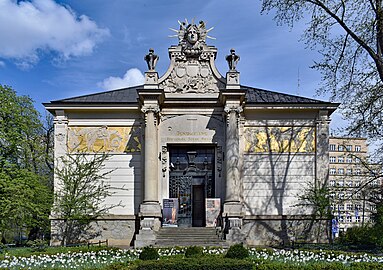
(188, 236)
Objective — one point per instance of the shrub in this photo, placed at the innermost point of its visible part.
(194, 251)
(237, 251)
(149, 253)
(206, 263)
(38, 245)
(3, 248)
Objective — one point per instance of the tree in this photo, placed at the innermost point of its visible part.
(316, 197)
(25, 196)
(80, 195)
(21, 132)
(25, 204)
(349, 36)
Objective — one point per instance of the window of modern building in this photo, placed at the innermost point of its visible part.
(349, 171)
(349, 148)
(332, 171)
(341, 219)
(341, 207)
(358, 148)
(349, 183)
(332, 147)
(340, 171)
(357, 183)
(349, 196)
(340, 159)
(348, 219)
(349, 206)
(332, 159)
(358, 171)
(332, 195)
(341, 196)
(349, 159)
(357, 219)
(340, 148)
(332, 183)
(341, 183)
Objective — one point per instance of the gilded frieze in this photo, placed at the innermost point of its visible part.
(280, 139)
(104, 139)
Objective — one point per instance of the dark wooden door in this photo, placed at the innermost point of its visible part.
(198, 208)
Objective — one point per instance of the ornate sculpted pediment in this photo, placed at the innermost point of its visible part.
(192, 68)
(191, 77)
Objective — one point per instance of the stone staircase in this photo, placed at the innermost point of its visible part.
(190, 236)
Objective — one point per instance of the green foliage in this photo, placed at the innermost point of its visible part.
(194, 251)
(149, 253)
(237, 251)
(80, 195)
(308, 266)
(24, 200)
(206, 263)
(25, 196)
(366, 237)
(21, 132)
(3, 248)
(38, 245)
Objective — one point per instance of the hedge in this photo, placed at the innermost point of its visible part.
(208, 263)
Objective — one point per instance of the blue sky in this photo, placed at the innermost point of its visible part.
(51, 50)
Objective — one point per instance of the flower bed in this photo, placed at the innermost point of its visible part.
(261, 258)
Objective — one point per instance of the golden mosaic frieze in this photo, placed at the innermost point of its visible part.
(279, 139)
(104, 139)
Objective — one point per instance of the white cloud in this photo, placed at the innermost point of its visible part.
(132, 77)
(29, 28)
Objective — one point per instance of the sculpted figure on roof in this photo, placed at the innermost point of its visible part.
(192, 37)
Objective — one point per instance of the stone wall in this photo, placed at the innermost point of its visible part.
(281, 230)
(119, 231)
(272, 182)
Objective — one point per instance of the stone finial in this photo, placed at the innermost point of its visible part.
(232, 59)
(151, 59)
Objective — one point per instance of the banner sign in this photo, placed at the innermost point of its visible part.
(213, 208)
(170, 212)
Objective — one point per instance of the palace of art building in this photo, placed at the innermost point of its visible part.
(194, 148)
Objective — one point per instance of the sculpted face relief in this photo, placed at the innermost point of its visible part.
(192, 35)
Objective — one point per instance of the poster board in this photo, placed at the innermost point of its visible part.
(213, 208)
(170, 212)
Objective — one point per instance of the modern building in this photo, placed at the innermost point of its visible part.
(200, 142)
(351, 180)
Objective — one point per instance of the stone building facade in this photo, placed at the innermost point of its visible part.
(194, 133)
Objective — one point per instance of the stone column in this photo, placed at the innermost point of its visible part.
(151, 156)
(150, 208)
(232, 153)
(322, 150)
(60, 150)
(232, 98)
(232, 210)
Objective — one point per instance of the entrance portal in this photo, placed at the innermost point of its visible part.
(191, 180)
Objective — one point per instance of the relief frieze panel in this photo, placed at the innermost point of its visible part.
(279, 139)
(104, 139)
